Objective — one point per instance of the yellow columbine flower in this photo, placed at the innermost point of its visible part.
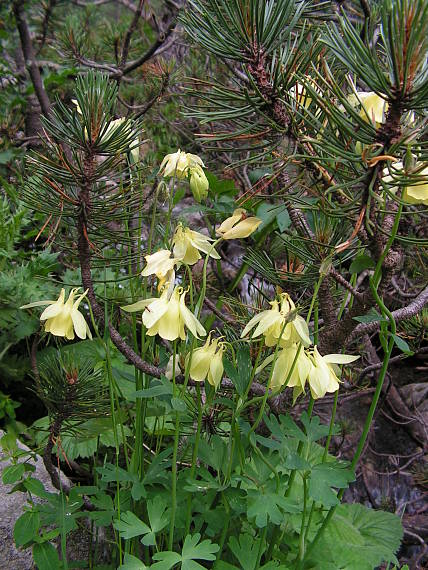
(64, 319)
(238, 226)
(178, 164)
(299, 93)
(323, 375)
(373, 107)
(207, 362)
(416, 193)
(188, 243)
(159, 263)
(283, 365)
(168, 315)
(271, 322)
(111, 127)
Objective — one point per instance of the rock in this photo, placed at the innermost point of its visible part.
(12, 507)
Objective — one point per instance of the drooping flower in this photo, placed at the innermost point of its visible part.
(188, 243)
(238, 226)
(168, 315)
(324, 375)
(416, 193)
(178, 164)
(373, 107)
(159, 263)
(283, 369)
(207, 362)
(198, 183)
(64, 318)
(169, 370)
(271, 322)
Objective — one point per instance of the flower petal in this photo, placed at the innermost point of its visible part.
(340, 358)
(139, 305)
(79, 323)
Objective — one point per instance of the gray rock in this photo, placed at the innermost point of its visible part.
(12, 507)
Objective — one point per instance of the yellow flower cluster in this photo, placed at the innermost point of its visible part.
(206, 362)
(295, 363)
(184, 165)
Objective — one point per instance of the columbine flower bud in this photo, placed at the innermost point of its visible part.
(198, 183)
(238, 226)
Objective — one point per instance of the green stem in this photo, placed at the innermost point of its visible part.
(194, 456)
(224, 531)
(388, 346)
(201, 299)
(174, 460)
(301, 554)
(260, 552)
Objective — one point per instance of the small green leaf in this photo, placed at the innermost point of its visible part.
(26, 528)
(46, 557)
(13, 473)
(268, 507)
(371, 317)
(245, 550)
(361, 262)
(323, 477)
(401, 344)
(203, 551)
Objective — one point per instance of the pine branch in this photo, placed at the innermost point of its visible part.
(162, 37)
(29, 56)
(400, 314)
(85, 266)
(128, 36)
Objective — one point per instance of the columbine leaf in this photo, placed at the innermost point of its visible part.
(166, 559)
(158, 519)
(313, 428)
(359, 538)
(132, 563)
(130, 526)
(245, 550)
(268, 506)
(203, 551)
(326, 475)
(191, 551)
